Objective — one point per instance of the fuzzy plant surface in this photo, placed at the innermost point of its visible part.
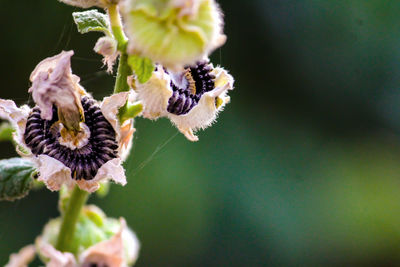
(74, 144)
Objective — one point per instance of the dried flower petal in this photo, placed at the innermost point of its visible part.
(155, 94)
(191, 98)
(54, 84)
(22, 258)
(56, 258)
(120, 250)
(111, 170)
(17, 116)
(53, 173)
(107, 47)
(110, 107)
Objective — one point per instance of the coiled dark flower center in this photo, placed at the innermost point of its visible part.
(200, 81)
(84, 161)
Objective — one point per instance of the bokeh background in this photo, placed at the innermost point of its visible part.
(302, 168)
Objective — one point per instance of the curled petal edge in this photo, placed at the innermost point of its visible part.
(18, 117)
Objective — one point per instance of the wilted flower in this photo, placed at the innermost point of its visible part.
(173, 33)
(90, 3)
(106, 242)
(87, 156)
(191, 98)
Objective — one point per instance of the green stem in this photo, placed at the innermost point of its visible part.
(116, 27)
(70, 218)
(121, 84)
(124, 70)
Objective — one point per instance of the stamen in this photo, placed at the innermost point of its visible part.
(84, 160)
(200, 81)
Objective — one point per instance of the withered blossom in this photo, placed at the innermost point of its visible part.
(190, 98)
(90, 152)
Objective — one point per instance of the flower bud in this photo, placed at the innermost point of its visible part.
(173, 33)
(107, 47)
(97, 241)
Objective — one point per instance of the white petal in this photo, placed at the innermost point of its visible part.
(18, 117)
(22, 258)
(111, 252)
(205, 112)
(53, 173)
(111, 170)
(56, 258)
(110, 107)
(154, 94)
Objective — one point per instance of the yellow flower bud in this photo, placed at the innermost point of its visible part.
(173, 33)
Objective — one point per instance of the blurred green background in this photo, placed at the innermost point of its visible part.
(302, 168)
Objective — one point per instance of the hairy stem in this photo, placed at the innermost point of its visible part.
(124, 70)
(116, 27)
(70, 218)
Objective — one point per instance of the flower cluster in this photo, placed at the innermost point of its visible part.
(76, 143)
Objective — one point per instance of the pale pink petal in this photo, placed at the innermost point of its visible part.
(154, 94)
(22, 258)
(110, 107)
(111, 252)
(107, 47)
(111, 170)
(53, 173)
(53, 83)
(56, 258)
(18, 117)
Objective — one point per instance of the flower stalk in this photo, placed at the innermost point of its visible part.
(124, 70)
(79, 197)
(70, 218)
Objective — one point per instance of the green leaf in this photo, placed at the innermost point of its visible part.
(142, 66)
(15, 178)
(91, 20)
